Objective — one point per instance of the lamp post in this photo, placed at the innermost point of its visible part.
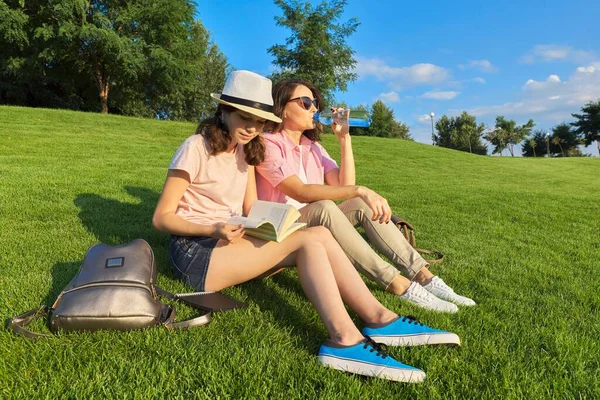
(432, 135)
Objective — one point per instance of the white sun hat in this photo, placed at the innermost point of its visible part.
(248, 92)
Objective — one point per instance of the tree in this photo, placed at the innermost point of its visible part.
(588, 123)
(382, 120)
(460, 133)
(509, 134)
(400, 131)
(27, 77)
(317, 50)
(533, 145)
(185, 69)
(498, 138)
(538, 140)
(131, 57)
(564, 140)
(383, 123)
(557, 141)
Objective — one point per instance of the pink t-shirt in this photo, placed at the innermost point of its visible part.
(218, 182)
(282, 160)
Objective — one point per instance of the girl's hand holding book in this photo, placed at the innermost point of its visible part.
(227, 232)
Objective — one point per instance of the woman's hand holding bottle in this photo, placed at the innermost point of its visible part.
(339, 123)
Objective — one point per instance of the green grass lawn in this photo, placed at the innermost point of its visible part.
(521, 237)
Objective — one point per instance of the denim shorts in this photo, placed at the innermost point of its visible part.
(190, 256)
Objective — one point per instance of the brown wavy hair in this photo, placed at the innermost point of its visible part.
(282, 93)
(217, 136)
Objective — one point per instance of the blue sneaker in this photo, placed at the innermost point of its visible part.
(369, 359)
(408, 331)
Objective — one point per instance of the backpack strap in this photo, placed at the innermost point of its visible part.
(18, 324)
(168, 314)
(439, 256)
(409, 233)
(407, 229)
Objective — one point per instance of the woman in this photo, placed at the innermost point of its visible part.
(211, 178)
(295, 171)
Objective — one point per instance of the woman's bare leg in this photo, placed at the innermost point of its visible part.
(234, 263)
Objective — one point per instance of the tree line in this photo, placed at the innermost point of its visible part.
(131, 57)
(465, 134)
(156, 59)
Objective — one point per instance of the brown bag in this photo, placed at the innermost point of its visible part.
(409, 233)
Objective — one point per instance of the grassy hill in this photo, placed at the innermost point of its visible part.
(521, 237)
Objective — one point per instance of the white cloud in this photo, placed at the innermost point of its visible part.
(478, 80)
(398, 77)
(551, 98)
(390, 97)
(438, 95)
(481, 65)
(552, 52)
(551, 81)
(424, 119)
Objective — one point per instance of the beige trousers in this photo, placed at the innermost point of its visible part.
(387, 239)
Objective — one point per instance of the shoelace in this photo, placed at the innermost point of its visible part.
(380, 348)
(412, 320)
(442, 285)
(419, 291)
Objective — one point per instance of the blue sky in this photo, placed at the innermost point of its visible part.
(530, 59)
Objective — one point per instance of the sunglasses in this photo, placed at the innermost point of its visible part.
(306, 102)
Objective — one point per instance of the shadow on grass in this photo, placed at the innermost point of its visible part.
(285, 315)
(62, 273)
(114, 222)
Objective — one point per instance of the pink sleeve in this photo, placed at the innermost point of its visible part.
(188, 158)
(275, 168)
(328, 162)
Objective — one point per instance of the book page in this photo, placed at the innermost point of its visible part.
(293, 228)
(247, 222)
(275, 213)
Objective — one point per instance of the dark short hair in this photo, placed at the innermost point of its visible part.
(218, 138)
(282, 93)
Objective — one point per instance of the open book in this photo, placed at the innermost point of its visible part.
(269, 220)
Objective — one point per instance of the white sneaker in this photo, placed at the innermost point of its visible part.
(421, 297)
(439, 288)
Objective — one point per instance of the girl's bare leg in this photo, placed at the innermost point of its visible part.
(234, 263)
(352, 288)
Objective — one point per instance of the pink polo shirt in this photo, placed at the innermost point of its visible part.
(282, 160)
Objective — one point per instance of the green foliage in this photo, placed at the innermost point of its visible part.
(317, 50)
(383, 123)
(564, 141)
(507, 134)
(135, 57)
(400, 131)
(588, 123)
(460, 133)
(536, 145)
(12, 27)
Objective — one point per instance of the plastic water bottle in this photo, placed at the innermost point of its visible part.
(358, 118)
